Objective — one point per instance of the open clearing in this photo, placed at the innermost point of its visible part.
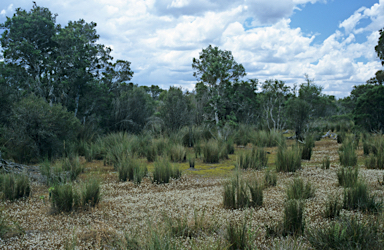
(126, 208)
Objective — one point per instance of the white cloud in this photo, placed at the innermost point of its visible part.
(161, 37)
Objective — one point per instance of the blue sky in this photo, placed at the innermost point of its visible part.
(330, 40)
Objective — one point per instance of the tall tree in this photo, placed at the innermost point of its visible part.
(218, 70)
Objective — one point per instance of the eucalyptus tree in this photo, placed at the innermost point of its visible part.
(217, 69)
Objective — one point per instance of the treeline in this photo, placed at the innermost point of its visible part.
(59, 86)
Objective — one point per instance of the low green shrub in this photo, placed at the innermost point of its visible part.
(254, 159)
(347, 233)
(164, 171)
(332, 207)
(326, 162)
(64, 197)
(73, 166)
(347, 176)
(239, 193)
(340, 137)
(347, 154)
(14, 186)
(288, 159)
(358, 197)
(264, 138)
(270, 179)
(177, 153)
(294, 221)
(211, 151)
(298, 190)
(229, 146)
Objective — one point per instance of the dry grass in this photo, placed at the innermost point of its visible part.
(126, 207)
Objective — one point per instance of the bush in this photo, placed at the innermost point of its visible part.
(191, 162)
(239, 193)
(357, 197)
(14, 186)
(37, 130)
(242, 136)
(178, 153)
(332, 208)
(347, 233)
(297, 190)
(307, 148)
(230, 148)
(340, 137)
(91, 193)
(129, 169)
(72, 166)
(326, 162)
(254, 159)
(288, 160)
(293, 222)
(211, 152)
(347, 176)
(264, 138)
(164, 171)
(270, 179)
(347, 155)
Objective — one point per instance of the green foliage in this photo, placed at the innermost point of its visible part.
(357, 197)
(129, 168)
(64, 198)
(264, 138)
(191, 162)
(211, 151)
(91, 193)
(347, 154)
(5, 226)
(14, 186)
(307, 148)
(347, 233)
(297, 190)
(294, 221)
(347, 176)
(38, 130)
(270, 179)
(326, 162)
(177, 153)
(237, 235)
(239, 193)
(254, 159)
(164, 171)
(288, 159)
(332, 207)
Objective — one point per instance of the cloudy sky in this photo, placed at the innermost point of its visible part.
(330, 40)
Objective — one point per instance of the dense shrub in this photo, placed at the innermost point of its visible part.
(14, 186)
(37, 130)
(298, 190)
(164, 171)
(288, 159)
(347, 233)
(264, 138)
(254, 159)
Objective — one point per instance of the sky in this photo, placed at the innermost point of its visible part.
(330, 40)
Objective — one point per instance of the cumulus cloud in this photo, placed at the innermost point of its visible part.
(160, 38)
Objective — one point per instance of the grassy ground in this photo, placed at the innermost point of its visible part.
(136, 210)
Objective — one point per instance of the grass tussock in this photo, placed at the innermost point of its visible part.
(177, 153)
(239, 193)
(270, 179)
(347, 176)
(253, 159)
(332, 208)
(294, 221)
(326, 162)
(358, 197)
(130, 169)
(300, 190)
(211, 151)
(288, 159)
(347, 154)
(347, 233)
(307, 148)
(238, 235)
(164, 171)
(14, 186)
